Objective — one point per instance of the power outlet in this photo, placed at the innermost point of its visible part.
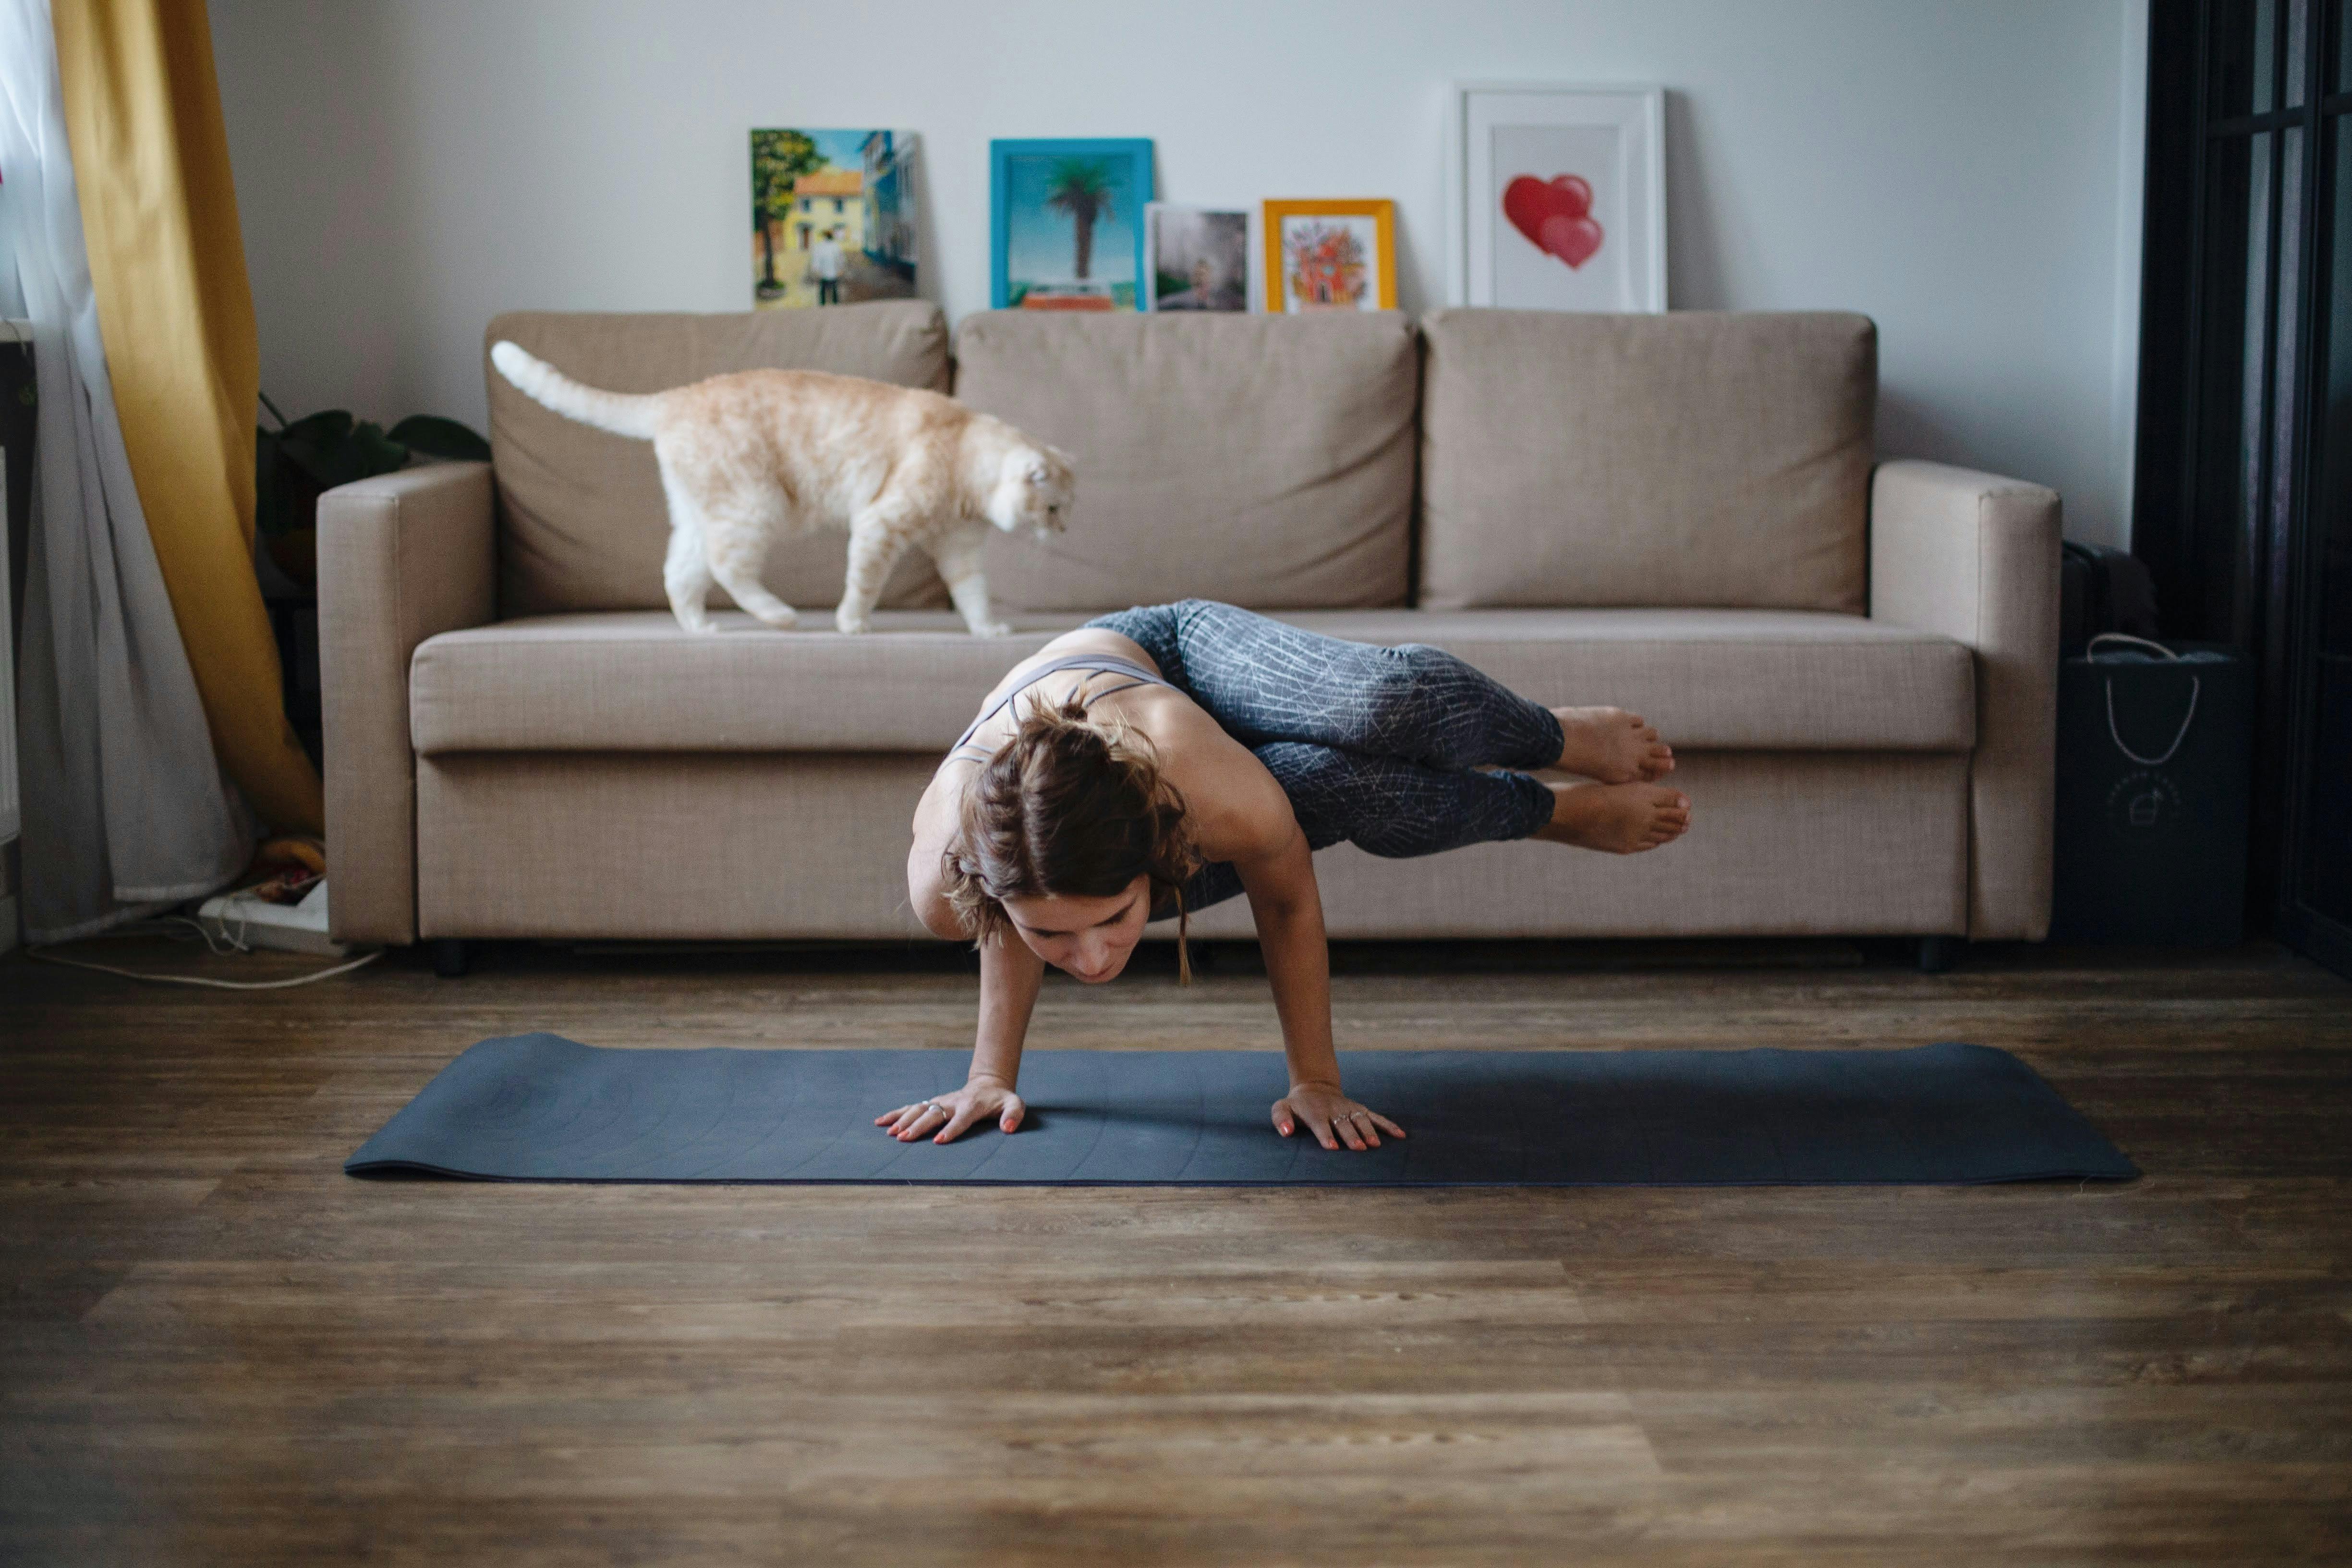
(240, 920)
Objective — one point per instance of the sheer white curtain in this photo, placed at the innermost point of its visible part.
(125, 806)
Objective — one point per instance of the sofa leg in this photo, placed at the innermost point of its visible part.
(1938, 954)
(450, 956)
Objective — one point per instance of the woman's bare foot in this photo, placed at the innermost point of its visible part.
(1612, 745)
(1622, 818)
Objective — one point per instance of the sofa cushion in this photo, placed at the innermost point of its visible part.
(1263, 460)
(1695, 459)
(583, 525)
(634, 682)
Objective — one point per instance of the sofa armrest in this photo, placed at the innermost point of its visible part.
(402, 557)
(1975, 557)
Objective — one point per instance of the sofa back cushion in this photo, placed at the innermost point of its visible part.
(1699, 460)
(583, 525)
(1263, 460)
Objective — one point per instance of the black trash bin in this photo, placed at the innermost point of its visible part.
(2154, 760)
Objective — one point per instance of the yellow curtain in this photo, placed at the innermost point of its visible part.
(167, 264)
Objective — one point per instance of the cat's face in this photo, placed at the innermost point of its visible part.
(1034, 490)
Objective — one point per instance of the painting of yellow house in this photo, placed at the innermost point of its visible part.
(833, 217)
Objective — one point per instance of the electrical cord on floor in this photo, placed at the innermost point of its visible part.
(228, 941)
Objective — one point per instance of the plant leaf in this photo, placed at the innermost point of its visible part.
(439, 437)
(311, 442)
(333, 451)
(329, 425)
(375, 452)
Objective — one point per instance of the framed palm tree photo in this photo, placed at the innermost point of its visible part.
(1067, 224)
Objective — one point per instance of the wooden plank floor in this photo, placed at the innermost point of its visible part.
(216, 1348)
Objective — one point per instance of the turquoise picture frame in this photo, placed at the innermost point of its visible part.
(1057, 208)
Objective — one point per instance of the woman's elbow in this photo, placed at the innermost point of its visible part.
(928, 898)
(931, 907)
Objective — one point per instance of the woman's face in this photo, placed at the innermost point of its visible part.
(1090, 939)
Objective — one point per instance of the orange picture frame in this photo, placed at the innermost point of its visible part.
(1324, 282)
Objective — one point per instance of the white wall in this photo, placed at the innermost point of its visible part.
(1965, 170)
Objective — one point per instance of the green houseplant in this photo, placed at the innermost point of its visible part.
(299, 462)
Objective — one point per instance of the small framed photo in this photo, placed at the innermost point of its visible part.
(1330, 255)
(1198, 258)
(1556, 197)
(1066, 228)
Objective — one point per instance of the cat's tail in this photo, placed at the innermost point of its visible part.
(622, 412)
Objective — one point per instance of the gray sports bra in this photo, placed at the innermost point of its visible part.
(1098, 663)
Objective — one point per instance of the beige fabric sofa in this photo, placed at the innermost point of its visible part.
(1855, 660)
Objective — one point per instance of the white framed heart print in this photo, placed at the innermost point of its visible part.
(1556, 197)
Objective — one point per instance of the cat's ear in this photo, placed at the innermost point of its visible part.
(1043, 462)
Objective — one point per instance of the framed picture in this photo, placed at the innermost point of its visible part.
(1330, 255)
(1198, 258)
(832, 217)
(1556, 197)
(1067, 224)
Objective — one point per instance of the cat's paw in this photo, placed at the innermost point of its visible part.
(991, 629)
(852, 626)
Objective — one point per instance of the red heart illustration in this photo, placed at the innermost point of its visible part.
(1556, 216)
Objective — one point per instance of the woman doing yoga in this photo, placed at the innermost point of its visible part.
(1159, 760)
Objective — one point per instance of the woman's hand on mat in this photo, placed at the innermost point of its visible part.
(1332, 1117)
(947, 1117)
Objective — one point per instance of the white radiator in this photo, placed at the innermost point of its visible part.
(11, 810)
(11, 815)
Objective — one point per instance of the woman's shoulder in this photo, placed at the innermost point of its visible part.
(1082, 640)
(934, 834)
(1099, 639)
(1236, 810)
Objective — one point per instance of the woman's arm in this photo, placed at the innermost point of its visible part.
(1010, 978)
(1009, 975)
(1277, 872)
(1288, 909)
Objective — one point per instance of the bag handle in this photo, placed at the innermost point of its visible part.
(2186, 720)
(2136, 642)
(2195, 686)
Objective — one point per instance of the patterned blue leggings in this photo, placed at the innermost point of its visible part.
(1375, 746)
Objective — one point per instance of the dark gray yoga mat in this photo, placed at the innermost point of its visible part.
(542, 1108)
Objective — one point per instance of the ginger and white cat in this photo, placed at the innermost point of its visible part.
(758, 453)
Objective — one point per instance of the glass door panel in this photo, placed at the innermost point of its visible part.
(2325, 879)
(2230, 405)
(2245, 37)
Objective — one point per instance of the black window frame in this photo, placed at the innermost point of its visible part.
(2271, 605)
